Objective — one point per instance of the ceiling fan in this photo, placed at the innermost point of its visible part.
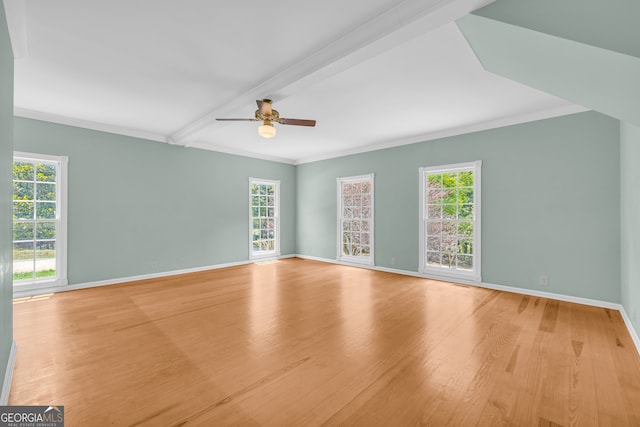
(268, 116)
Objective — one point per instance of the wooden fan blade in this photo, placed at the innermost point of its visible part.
(297, 122)
(264, 106)
(238, 120)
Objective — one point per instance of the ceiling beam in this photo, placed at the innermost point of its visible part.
(398, 24)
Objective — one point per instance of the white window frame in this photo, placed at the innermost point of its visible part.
(361, 260)
(276, 252)
(438, 272)
(61, 279)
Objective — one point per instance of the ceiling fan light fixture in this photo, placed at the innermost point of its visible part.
(267, 131)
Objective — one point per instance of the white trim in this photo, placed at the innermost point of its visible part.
(62, 166)
(107, 282)
(476, 274)
(276, 205)
(370, 260)
(632, 331)
(88, 124)
(8, 374)
(511, 289)
(564, 110)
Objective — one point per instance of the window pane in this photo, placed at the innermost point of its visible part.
(23, 231)
(45, 210)
(346, 225)
(23, 210)
(433, 258)
(366, 251)
(355, 225)
(433, 243)
(465, 228)
(46, 192)
(434, 211)
(365, 226)
(465, 246)
(46, 230)
(465, 195)
(434, 181)
(465, 212)
(263, 189)
(45, 173)
(449, 180)
(271, 189)
(23, 171)
(435, 196)
(465, 262)
(45, 249)
(23, 251)
(23, 191)
(449, 228)
(365, 238)
(255, 200)
(449, 211)
(449, 196)
(465, 179)
(434, 228)
(366, 187)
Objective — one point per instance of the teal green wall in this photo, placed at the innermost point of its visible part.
(611, 24)
(596, 78)
(630, 220)
(550, 203)
(6, 154)
(138, 207)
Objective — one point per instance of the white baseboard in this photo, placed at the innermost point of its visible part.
(522, 291)
(630, 327)
(18, 293)
(8, 375)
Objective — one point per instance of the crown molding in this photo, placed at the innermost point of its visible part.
(476, 127)
(87, 124)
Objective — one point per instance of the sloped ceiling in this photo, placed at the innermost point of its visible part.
(373, 73)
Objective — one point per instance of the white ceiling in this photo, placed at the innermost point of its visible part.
(373, 73)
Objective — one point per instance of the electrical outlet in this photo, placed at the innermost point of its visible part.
(154, 265)
(393, 260)
(544, 281)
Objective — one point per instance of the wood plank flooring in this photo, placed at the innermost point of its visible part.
(297, 343)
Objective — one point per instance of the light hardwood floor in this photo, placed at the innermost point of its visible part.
(306, 343)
